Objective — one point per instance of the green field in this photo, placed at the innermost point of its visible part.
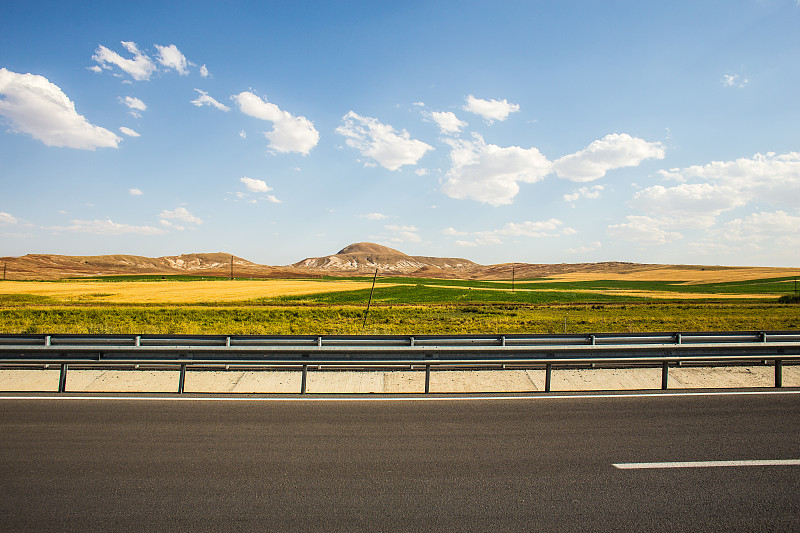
(421, 306)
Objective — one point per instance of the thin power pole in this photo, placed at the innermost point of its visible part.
(231, 266)
(366, 314)
(513, 275)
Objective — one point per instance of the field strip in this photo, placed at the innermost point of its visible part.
(685, 276)
(176, 291)
(622, 292)
(545, 396)
(708, 464)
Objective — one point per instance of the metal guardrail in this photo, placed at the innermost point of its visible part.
(431, 351)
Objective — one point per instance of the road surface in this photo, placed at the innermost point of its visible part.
(158, 464)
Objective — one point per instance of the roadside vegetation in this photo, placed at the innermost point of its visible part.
(401, 306)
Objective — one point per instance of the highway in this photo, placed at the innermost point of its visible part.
(409, 464)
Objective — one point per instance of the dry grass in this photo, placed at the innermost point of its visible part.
(175, 292)
(687, 275)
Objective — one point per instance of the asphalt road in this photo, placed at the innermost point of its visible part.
(473, 465)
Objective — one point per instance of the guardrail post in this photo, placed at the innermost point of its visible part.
(303, 379)
(137, 340)
(47, 340)
(548, 376)
(664, 375)
(182, 379)
(62, 379)
(427, 379)
(778, 373)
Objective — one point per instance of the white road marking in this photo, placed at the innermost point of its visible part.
(187, 397)
(709, 464)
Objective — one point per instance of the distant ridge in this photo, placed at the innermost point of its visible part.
(357, 259)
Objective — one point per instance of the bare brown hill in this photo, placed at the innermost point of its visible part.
(360, 259)
(366, 257)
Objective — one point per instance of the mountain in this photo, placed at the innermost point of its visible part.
(360, 259)
(366, 257)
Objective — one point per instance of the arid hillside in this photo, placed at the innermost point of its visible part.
(361, 259)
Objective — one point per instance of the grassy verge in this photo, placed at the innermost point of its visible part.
(388, 319)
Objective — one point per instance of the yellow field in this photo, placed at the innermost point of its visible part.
(175, 292)
(689, 276)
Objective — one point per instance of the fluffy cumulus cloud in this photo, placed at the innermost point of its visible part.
(7, 219)
(204, 99)
(177, 217)
(400, 234)
(689, 205)
(590, 193)
(289, 133)
(135, 192)
(374, 216)
(381, 142)
(140, 67)
(129, 132)
(172, 58)
(616, 150)
(773, 178)
(135, 105)
(778, 227)
(530, 229)
(447, 121)
(33, 105)
(642, 230)
(107, 227)
(734, 80)
(489, 173)
(255, 185)
(204, 71)
(490, 110)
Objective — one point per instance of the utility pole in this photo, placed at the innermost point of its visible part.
(366, 314)
(231, 266)
(4, 277)
(513, 267)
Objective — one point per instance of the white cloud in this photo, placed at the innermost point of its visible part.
(172, 58)
(734, 80)
(289, 133)
(688, 205)
(615, 150)
(591, 247)
(141, 67)
(488, 173)
(590, 193)
(39, 108)
(381, 142)
(204, 99)
(422, 104)
(129, 132)
(771, 178)
(179, 213)
(7, 219)
(243, 134)
(490, 110)
(531, 229)
(135, 105)
(255, 185)
(135, 192)
(642, 230)
(402, 234)
(421, 172)
(447, 121)
(204, 71)
(274, 199)
(374, 216)
(107, 227)
(779, 227)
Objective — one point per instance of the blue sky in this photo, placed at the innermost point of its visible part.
(543, 132)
